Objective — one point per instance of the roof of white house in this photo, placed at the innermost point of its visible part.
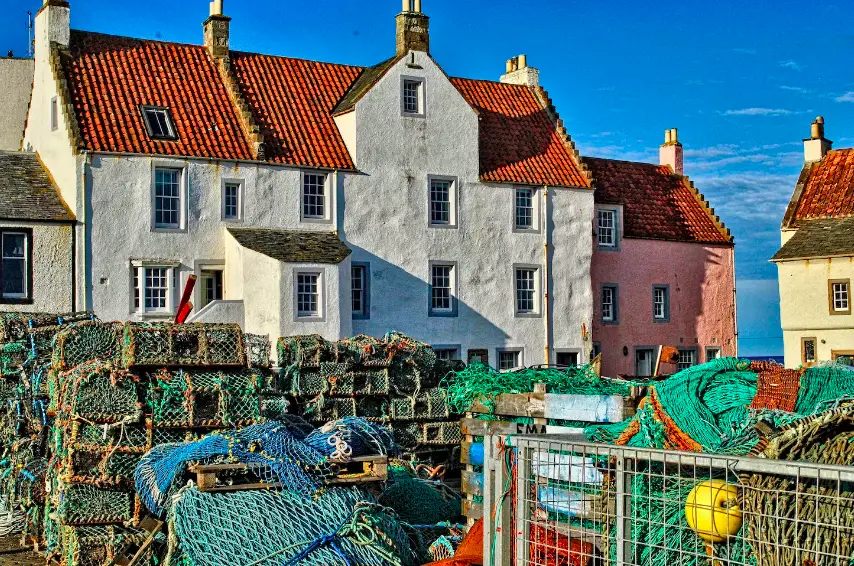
(27, 191)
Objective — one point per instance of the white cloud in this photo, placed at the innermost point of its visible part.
(733, 160)
(790, 64)
(758, 112)
(847, 97)
(756, 198)
(799, 89)
(719, 150)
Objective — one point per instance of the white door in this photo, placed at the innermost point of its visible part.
(643, 363)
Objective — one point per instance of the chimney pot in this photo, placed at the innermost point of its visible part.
(418, 6)
(675, 135)
(519, 73)
(216, 8)
(407, 5)
(671, 152)
(816, 146)
(523, 61)
(668, 136)
(509, 66)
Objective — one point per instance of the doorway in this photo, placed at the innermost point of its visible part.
(644, 362)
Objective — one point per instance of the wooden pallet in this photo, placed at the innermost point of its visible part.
(363, 469)
(130, 554)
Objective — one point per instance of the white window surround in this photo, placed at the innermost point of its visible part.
(228, 206)
(447, 351)
(519, 198)
(308, 203)
(153, 287)
(608, 228)
(435, 187)
(523, 295)
(300, 292)
(360, 290)
(406, 96)
(182, 197)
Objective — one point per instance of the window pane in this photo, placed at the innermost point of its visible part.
(446, 354)
(659, 303)
(440, 201)
(156, 288)
(313, 196)
(687, 358)
(508, 360)
(167, 198)
(809, 351)
(524, 208)
(840, 297)
(308, 294)
(231, 202)
(159, 123)
(607, 232)
(608, 303)
(14, 265)
(567, 359)
(441, 291)
(411, 102)
(359, 289)
(525, 291)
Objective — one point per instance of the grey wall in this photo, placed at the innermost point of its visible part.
(16, 76)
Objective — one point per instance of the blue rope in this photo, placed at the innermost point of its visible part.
(331, 540)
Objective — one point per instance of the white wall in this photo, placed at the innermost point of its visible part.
(805, 307)
(386, 225)
(16, 76)
(119, 190)
(52, 267)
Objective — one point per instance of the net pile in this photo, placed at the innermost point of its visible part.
(118, 390)
(722, 408)
(393, 380)
(26, 345)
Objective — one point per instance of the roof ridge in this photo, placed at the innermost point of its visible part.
(117, 36)
(303, 59)
(656, 165)
(544, 99)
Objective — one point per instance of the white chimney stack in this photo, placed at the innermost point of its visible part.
(816, 146)
(519, 73)
(671, 152)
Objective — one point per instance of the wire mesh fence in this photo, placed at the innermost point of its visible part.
(561, 501)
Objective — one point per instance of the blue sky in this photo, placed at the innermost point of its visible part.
(741, 80)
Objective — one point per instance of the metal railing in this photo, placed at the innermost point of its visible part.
(563, 501)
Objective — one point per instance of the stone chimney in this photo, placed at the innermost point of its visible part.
(216, 31)
(671, 152)
(413, 28)
(816, 146)
(519, 73)
(53, 25)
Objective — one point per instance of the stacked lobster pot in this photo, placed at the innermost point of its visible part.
(117, 390)
(394, 380)
(26, 344)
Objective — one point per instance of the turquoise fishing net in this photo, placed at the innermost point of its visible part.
(342, 527)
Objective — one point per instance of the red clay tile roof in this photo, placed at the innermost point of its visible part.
(109, 78)
(292, 101)
(825, 189)
(657, 204)
(519, 142)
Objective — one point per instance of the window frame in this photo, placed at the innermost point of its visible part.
(666, 315)
(453, 200)
(321, 294)
(535, 227)
(422, 96)
(455, 348)
(454, 282)
(520, 358)
(172, 135)
(54, 114)
(576, 352)
(365, 313)
(713, 349)
(692, 350)
(203, 291)
(183, 198)
(27, 298)
(615, 319)
(138, 269)
(226, 183)
(326, 218)
(831, 296)
(615, 210)
(538, 290)
(652, 352)
(804, 341)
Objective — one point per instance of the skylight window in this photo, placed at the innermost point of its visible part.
(158, 122)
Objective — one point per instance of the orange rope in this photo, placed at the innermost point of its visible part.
(676, 438)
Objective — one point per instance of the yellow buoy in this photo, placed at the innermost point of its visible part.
(712, 510)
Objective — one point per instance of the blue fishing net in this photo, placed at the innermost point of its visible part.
(277, 452)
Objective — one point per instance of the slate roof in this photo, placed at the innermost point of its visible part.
(293, 246)
(657, 204)
(519, 141)
(27, 192)
(825, 189)
(821, 238)
(292, 101)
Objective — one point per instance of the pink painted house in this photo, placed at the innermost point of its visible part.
(663, 267)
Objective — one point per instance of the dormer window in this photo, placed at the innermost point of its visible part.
(158, 122)
(412, 97)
